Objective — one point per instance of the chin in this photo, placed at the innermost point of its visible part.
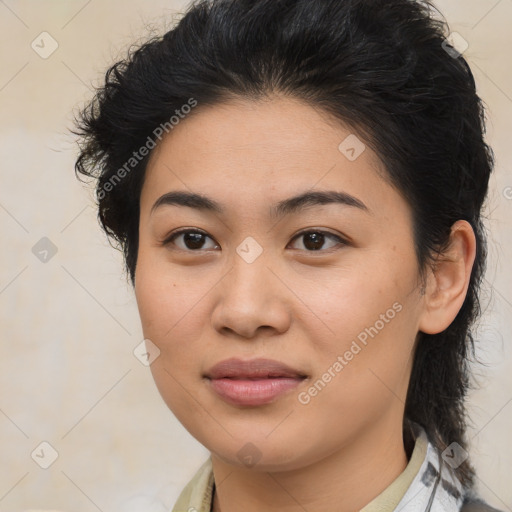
(258, 453)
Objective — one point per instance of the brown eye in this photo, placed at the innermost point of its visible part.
(190, 240)
(314, 240)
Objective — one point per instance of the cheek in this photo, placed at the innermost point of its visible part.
(166, 309)
(364, 375)
(163, 297)
(174, 313)
(153, 302)
(372, 318)
(349, 300)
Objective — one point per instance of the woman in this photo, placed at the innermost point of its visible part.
(297, 189)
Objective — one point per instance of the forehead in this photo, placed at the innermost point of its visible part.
(272, 148)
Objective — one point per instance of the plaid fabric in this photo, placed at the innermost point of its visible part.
(436, 487)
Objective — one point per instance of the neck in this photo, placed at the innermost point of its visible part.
(344, 481)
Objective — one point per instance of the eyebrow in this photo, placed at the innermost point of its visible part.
(288, 206)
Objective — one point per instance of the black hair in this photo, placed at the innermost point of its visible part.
(383, 68)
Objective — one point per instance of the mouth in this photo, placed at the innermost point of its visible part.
(254, 382)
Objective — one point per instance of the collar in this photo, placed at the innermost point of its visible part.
(427, 484)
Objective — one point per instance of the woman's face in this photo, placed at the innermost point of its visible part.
(339, 304)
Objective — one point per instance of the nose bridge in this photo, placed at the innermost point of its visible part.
(250, 274)
(250, 294)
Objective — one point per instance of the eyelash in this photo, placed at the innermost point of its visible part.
(167, 241)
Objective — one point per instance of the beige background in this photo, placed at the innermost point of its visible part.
(69, 326)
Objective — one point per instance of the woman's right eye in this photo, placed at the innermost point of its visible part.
(191, 240)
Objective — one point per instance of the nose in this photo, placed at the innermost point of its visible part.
(251, 300)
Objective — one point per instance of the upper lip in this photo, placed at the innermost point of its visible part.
(252, 368)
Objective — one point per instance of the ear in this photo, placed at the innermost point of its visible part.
(448, 281)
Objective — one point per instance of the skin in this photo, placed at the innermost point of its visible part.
(298, 306)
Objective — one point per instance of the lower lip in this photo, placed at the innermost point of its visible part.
(253, 392)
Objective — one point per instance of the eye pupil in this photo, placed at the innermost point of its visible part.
(317, 241)
(194, 239)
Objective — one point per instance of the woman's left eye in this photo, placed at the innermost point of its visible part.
(194, 240)
(315, 239)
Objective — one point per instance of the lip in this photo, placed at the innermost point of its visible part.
(253, 382)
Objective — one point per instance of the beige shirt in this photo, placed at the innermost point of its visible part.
(197, 494)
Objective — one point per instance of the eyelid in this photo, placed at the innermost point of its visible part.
(321, 231)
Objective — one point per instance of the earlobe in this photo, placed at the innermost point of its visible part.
(448, 281)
